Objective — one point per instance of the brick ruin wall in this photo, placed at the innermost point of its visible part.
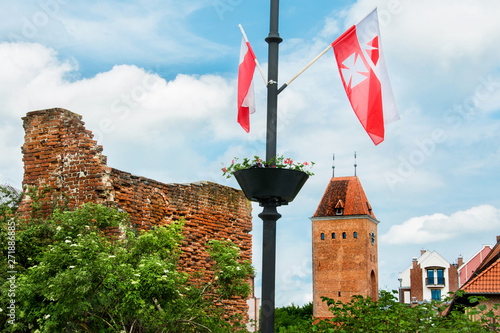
(60, 153)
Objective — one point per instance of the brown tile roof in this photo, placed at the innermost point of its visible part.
(345, 192)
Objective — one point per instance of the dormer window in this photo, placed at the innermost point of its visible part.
(339, 208)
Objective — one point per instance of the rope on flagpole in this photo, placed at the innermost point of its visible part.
(303, 69)
(256, 61)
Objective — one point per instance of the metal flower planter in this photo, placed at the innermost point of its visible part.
(263, 184)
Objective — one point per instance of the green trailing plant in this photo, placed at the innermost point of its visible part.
(9, 200)
(279, 162)
(36, 195)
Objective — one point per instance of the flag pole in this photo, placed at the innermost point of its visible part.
(255, 58)
(304, 69)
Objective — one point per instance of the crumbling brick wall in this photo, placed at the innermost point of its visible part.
(59, 153)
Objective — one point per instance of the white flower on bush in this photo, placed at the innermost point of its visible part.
(71, 267)
(47, 316)
(67, 241)
(58, 228)
(112, 257)
(73, 244)
(137, 274)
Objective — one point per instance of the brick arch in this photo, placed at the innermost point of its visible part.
(157, 208)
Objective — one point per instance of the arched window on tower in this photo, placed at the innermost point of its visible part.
(322, 236)
(355, 235)
(344, 235)
(333, 235)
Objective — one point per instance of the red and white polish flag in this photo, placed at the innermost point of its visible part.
(364, 74)
(246, 98)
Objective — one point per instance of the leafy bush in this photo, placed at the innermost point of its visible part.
(293, 317)
(72, 278)
(362, 314)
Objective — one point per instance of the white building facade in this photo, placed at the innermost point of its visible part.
(429, 277)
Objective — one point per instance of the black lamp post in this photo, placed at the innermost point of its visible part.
(270, 215)
(271, 187)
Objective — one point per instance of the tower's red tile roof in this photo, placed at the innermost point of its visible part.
(345, 192)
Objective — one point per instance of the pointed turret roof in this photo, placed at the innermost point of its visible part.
(346, 193)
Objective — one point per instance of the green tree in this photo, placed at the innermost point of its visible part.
(362, 314)
(293, 317)
(82, 281)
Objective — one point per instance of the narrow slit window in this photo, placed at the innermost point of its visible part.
(333, 235)
(355, 235)
(322, 236)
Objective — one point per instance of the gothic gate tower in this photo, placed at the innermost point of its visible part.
(344, 245)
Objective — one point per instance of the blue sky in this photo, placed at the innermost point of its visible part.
(155, 81)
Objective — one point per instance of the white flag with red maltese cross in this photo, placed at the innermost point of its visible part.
(364, 74)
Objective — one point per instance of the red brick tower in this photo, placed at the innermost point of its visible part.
(344, 245)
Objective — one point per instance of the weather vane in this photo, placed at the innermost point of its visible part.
(355, 164)
(333, 166)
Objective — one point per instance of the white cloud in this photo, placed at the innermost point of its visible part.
(440, 227)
